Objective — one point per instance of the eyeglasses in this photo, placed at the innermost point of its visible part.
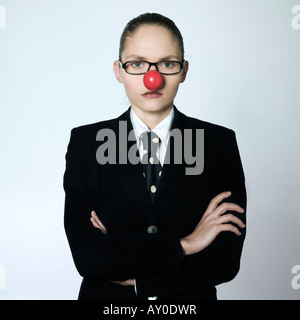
(142, 67)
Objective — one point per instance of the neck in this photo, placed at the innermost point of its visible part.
(152, 118)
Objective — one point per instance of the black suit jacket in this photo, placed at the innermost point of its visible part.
(117, 192)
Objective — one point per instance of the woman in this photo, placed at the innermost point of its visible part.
(148, 228)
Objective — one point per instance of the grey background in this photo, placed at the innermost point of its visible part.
(56, 73)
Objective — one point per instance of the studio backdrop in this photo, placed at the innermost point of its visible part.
(56, 59)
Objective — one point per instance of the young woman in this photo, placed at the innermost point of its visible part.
(175, 235)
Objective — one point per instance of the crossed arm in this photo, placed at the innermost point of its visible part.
(159, 270)
(213, 222)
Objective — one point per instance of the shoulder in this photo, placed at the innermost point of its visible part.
(84, 137)
(89, 131)
(211, 129)
(219, 141)
(92, 128)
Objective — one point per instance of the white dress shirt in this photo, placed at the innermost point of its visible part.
(162, 130)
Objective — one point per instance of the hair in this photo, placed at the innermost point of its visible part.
(151, 19)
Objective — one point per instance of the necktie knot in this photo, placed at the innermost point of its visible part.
(150, 142)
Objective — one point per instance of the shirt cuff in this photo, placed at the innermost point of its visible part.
(135, 287)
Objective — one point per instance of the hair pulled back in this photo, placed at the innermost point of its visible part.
(151, 19)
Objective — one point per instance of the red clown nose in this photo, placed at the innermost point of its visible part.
(153, 80)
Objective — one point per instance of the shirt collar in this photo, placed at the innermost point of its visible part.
(162, 129)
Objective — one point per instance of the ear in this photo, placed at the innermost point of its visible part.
(117, 71)
(185, 71)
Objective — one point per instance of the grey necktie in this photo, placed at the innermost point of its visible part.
(150, 162)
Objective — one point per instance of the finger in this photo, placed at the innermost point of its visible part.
(216, 200)
(228, 206)
(122, 283)
(95, 224)
(101, 225)
(231, 218)
(228, 227)
(129, 282)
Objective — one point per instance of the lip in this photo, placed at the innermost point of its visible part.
(152, 94)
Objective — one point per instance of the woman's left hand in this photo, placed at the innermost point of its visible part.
(97, 223)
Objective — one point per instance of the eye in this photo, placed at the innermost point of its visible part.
(137, 64)
(167, 64)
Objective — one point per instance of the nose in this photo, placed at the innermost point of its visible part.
(153, 68)
(153, 80)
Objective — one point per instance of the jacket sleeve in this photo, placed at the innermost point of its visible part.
(220, 261)
(104, 256)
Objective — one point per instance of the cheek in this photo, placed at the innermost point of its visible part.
(171, 83)
(133, 85)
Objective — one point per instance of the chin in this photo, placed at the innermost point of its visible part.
(155, 107)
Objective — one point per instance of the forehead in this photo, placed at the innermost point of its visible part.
(152, 43)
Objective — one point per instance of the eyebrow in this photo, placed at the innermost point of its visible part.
(136, 57)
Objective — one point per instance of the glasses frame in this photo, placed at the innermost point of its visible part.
(152, 64)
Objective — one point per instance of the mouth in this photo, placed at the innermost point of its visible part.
(152, 94)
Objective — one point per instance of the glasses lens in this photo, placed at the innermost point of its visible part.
(169, 67)
(137, 67)
(141, 67)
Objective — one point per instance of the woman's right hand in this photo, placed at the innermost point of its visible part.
(213, 222)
